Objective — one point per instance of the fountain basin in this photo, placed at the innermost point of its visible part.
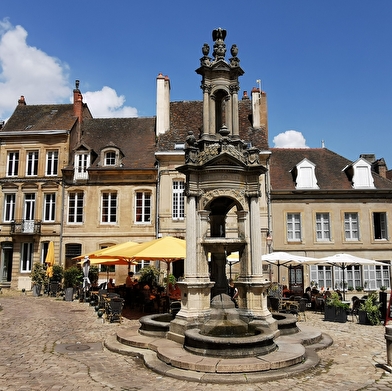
(260, 343)
(287, 323)
(156, 325)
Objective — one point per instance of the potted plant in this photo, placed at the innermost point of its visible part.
(369, 311)
(38, 278)
(149, 275)
(54, 283)
(335, 310)
(72, 277)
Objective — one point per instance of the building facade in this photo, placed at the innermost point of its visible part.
(87, 183)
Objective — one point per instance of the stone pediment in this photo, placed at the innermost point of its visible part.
(225, 159)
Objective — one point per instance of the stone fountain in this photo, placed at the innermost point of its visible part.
(224, 181)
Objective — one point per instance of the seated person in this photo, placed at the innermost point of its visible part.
(110, 284)
(286, 291)
(174, 292)
(129, 280)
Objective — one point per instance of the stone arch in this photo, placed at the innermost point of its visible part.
(223, 207)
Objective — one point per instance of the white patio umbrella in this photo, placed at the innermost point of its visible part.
(343, 261)
(281, 258)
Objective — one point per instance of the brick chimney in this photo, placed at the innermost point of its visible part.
(21, 101)
(380, 167)
(77, 102)
(259, 109)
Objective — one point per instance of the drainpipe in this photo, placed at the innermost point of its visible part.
(268, 195)
(62, 221)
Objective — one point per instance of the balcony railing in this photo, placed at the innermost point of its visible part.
(26, 227)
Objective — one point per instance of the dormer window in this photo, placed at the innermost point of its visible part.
(110, 157)
(304, 175)
(360, 174)
(82, 163)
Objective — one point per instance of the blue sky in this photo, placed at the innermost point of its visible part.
(326, 66)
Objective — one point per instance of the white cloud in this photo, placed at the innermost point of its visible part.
(28, 71)
(290, 139)
(43, 79)
(107, 104)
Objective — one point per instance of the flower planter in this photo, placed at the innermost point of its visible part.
(37, 290)
(335, 314)
(69, 294)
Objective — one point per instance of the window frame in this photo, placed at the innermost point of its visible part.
(9, 207)
(291, 230)
(323, 227)
(12, 164)
(32, 159)
(380, 227)
(52, 162)
(178, 200)
(26, 257)
(141, 210)
(348, 227)
(49, 211)
(76, 209)
(109, 207)
(110, 158)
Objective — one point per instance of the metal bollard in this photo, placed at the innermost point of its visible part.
(388, 337)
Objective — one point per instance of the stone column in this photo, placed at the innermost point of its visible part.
(206, 124)
(234, 109)
(255, 237)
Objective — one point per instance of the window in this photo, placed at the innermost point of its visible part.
(304, 175)
(49, 207)
(382, 276)
(12, 163)
(362, 177)
(110, 158)
(322, 227)
(9, 207)
(52, 159)
(293, 227)
(72, 250)
(322, 275)
(32, 163)
(353, 276)
(140, 265)
(82, 163)
(75, 207)
(143, 207)
(351, 228)
(178, 200)
(26, 257)
(109, 208)
(380, 225)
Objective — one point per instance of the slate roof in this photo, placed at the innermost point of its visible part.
(329, 169)
(135, 137)
(41, 117)
(188, 116)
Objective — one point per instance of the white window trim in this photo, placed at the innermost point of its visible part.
(178, 200)
(293, 230)
(14, 163)
(52, 156)
(109, 207)
(75, 214)
(51, 203)
(306, 176)
(144, 192)
(34, 163)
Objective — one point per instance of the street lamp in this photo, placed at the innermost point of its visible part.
(269, 241)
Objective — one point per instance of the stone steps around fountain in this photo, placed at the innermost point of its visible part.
(295, 354)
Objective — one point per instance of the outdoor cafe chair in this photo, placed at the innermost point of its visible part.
(113, 308)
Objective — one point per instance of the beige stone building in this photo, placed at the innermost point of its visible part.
(87, 183)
